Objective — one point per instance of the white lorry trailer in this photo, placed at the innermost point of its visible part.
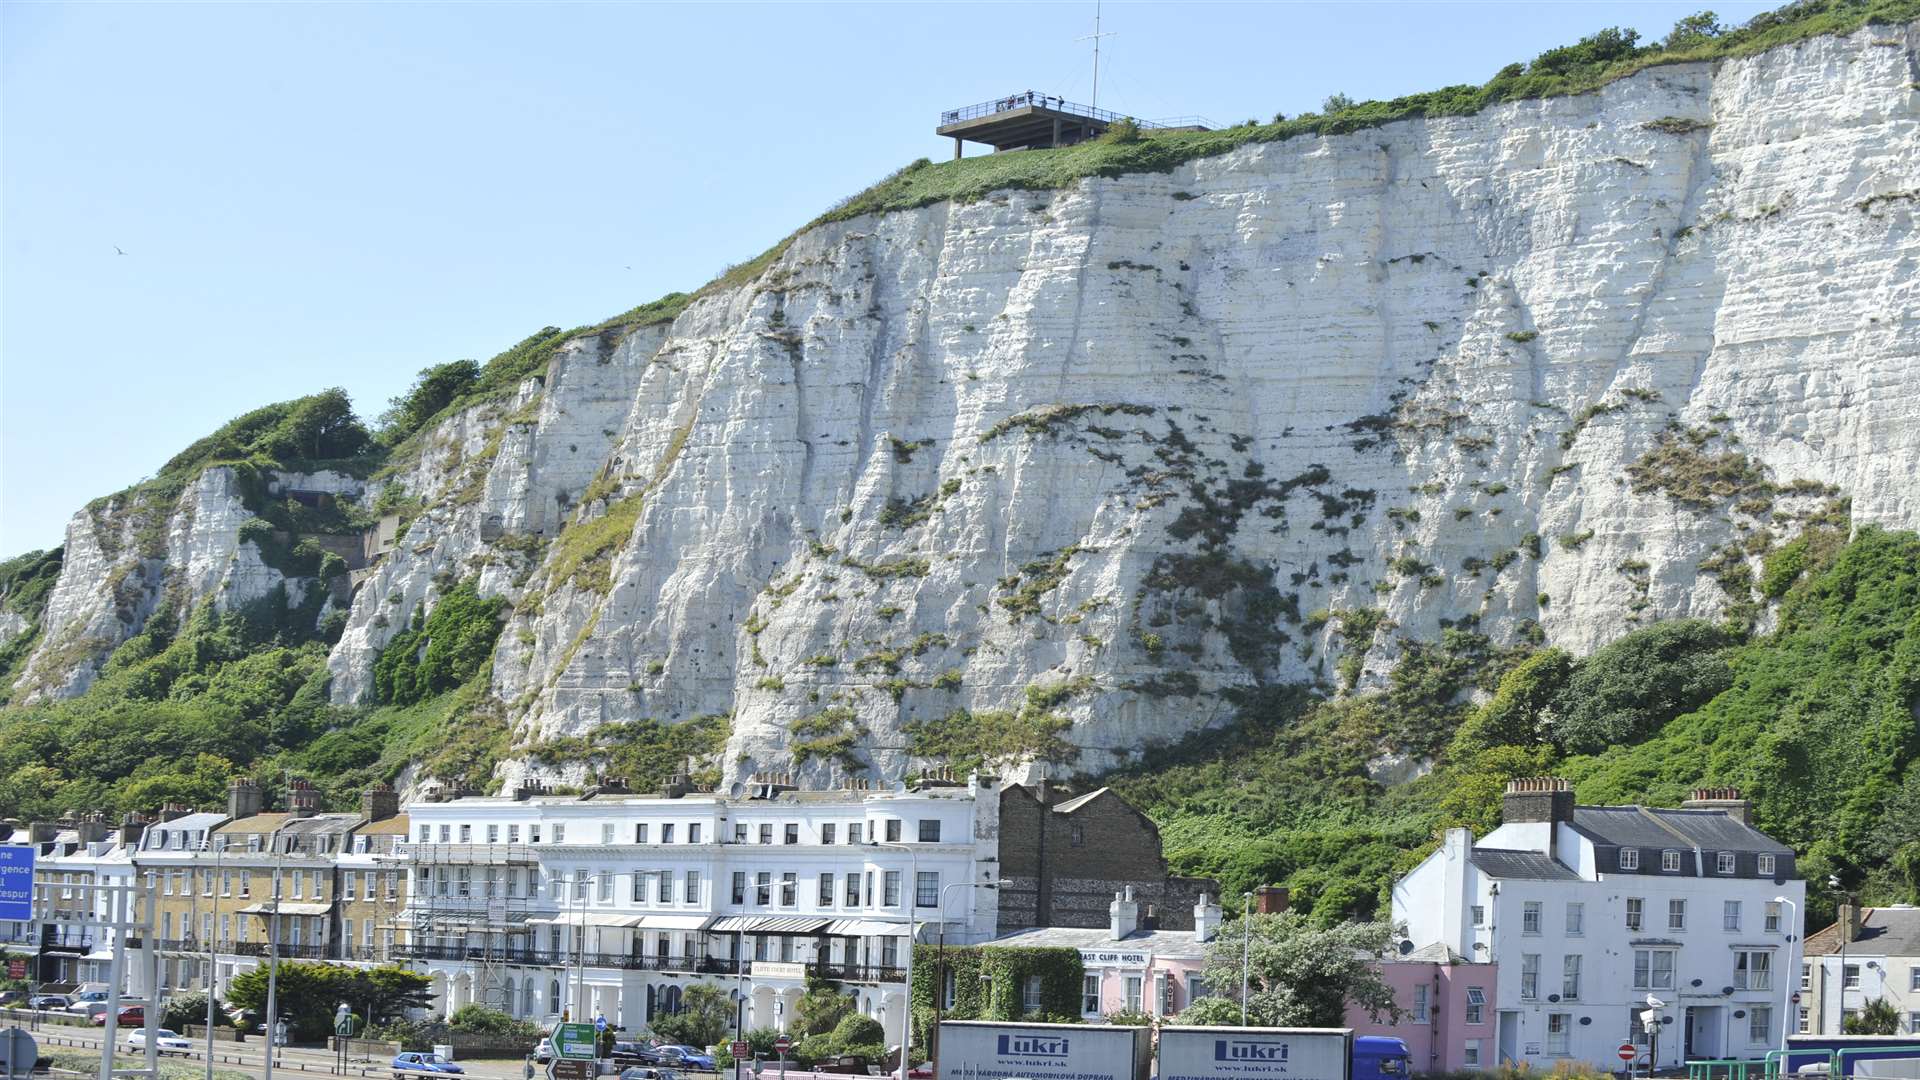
(988, 1050)
(1237, 1053)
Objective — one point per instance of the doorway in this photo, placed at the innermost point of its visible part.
(1509, 1038)
(1703, 1032)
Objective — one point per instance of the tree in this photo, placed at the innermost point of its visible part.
(1878, 1017)
(1299, 975)
(705, 1017)
(822, 1008)
(308, 994)
(1694, 29)
(191, 1008)
(433, 389)
(1335, 103)
(1626, 691)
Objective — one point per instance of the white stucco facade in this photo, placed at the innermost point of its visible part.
(611, 904)
(1581, 940)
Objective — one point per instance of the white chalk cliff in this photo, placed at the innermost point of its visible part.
(1124, 441)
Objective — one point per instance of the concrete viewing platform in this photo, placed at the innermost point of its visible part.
(1030, 121)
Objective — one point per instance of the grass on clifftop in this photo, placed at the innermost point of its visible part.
(1580, 68)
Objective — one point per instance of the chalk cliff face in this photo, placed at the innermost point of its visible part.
(1559, 369)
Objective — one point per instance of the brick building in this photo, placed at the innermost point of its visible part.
(1064, 856)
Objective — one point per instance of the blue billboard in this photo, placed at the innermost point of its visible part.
(16, 882)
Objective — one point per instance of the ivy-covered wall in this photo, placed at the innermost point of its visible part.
(989, 983)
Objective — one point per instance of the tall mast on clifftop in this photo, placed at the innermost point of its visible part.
(1095, 38)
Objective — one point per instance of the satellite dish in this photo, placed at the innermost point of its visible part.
(1739, 1014)
(1406, 946)
(1585, 1020)
(1696, 982)
(1553, 997)
(1726, 991)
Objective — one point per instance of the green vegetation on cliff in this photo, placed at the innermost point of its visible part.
(1815, 721)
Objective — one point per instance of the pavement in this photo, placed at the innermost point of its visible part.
(294, 1061)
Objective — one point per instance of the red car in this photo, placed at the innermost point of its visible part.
(130, 1016)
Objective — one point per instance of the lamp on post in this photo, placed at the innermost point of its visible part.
(913, 882)
(1246, 950)
(940, 965)
(1790, 978)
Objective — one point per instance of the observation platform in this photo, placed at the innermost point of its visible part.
(1030, 121)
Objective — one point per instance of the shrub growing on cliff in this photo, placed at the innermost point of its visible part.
(1624, 692)
(437, 654)
(433, 390)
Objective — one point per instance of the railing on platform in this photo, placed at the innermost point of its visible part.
(1043, 101)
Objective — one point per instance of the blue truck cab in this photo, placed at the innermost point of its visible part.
(1381, 1057)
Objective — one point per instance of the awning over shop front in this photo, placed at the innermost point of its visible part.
(675, 922)
(591, 918)
(762, 924)
(267, 908)
(866, 928)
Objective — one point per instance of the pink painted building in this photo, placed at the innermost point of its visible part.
(1129, 966)
(1446, 1010)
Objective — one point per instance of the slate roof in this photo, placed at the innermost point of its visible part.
(1078, 801)
(1524, 865)
(1886, 931)
(1648, 827)
(1166, 943)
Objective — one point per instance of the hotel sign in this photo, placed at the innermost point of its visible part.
(1115, 959)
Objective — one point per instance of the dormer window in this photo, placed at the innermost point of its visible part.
(253, 841)
(1766, 866)
(1629, 858)
(1670, 861)
(1724, 862)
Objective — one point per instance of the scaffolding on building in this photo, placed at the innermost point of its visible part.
(470, 904)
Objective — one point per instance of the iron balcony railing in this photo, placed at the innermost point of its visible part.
(1044, 101)
(705, 965)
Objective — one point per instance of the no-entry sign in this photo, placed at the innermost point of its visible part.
(780, 1045)
(1628, 1051)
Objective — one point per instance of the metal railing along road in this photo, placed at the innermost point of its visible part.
(1044, 101)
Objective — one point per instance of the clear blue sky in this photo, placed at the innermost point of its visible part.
(339, 194)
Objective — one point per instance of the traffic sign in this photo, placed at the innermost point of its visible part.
(1628, 1051)
(741, 1049)
(16, 968)
(16, 882)
(781, 1044)
(1796, 996)
(599, 1023)
(572, 1069)
(574, 1041)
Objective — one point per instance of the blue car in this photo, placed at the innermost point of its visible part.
(685, 1057)
(424, 1063)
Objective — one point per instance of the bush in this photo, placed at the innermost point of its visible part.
(191, 1008)
(480, 1020)
(1626, 691)
(857, 1030)
(442, 651)
(1123, 130)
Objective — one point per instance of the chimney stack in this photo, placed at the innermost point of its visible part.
(1206, 919)
(1270, 899)
(172, 810)
(1849, 923)
(1724, 799)
(42, 832)
(1544, 800)
(132, 828)
(379, 802)
(244, 798)
(303, 799)
(1123, 915)
(91, 828)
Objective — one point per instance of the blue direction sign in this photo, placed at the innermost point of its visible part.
(16, 882)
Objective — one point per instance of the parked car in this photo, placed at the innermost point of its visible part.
(632, 1053)
(52, 1001)
(647, 1072)
(9, 998)
(685, 1057)
(426, 1063)
(88, 1009)
(543, 1053)
(164, 1041)
(130, 1016)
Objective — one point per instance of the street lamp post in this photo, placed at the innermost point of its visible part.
(1246, 950)
(940, 964)
(1790, 977)
(212, 981)
(913, 901)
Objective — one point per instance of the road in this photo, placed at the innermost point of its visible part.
(294, 1061)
